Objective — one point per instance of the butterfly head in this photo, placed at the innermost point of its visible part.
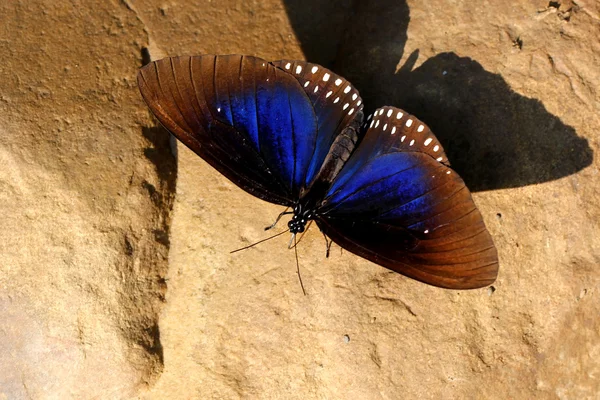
(301, 217)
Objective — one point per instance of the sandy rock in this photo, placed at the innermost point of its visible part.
(116, 279)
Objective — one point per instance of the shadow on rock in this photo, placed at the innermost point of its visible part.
(494, 137)
(161, 155)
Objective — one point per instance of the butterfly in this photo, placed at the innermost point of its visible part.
(294, 134)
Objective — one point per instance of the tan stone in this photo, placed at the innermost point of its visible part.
(90, 307)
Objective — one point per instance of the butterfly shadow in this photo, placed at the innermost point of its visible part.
(494, 137)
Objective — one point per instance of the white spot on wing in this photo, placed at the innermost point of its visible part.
(381, 112)
(447, 172)
(409, 122)
(351, 111)
(359, 103)
(384, 127)
(298, 69)
(429, 140)
(354, 96)
(412, 142)
(436, 147)
(338, 82)
(316, 89)
(336, 100)
(402, 138)
(348, 88)
(314, 69)
(393, 130)
(325, 77)
(306, 83)
(389, 113)
(372, 122)
(328, 94)
(399, 115)
(426, 231)
(439, 159)
(288, 65)
(420, 128)
(219, 109)
(346, 106)
(377, 124)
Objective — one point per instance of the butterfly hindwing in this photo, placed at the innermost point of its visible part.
(397, 203)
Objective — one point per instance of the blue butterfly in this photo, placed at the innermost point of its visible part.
(294, 133)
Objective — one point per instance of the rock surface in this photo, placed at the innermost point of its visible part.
(116, 279)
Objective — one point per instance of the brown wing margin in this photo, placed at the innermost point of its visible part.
(467, 260)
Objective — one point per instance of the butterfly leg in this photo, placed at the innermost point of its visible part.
(328, 244)
(285, 212)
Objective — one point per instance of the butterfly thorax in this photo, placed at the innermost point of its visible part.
(311, 197)
(301, 217)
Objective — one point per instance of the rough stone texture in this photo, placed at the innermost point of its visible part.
(85, 196)
(88, 182)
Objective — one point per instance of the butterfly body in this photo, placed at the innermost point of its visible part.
(293, 133)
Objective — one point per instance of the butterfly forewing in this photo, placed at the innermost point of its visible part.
(397, 202)
(247, 118)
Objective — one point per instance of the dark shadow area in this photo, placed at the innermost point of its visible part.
(161, 156)
(494, 137)
(319, 25)
(152, 343)
(161, 153)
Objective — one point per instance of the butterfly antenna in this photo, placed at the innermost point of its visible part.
(260, 241)
(285, 212)
(298, 265)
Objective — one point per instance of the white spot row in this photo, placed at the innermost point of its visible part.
(326, 78)
(408, 123)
